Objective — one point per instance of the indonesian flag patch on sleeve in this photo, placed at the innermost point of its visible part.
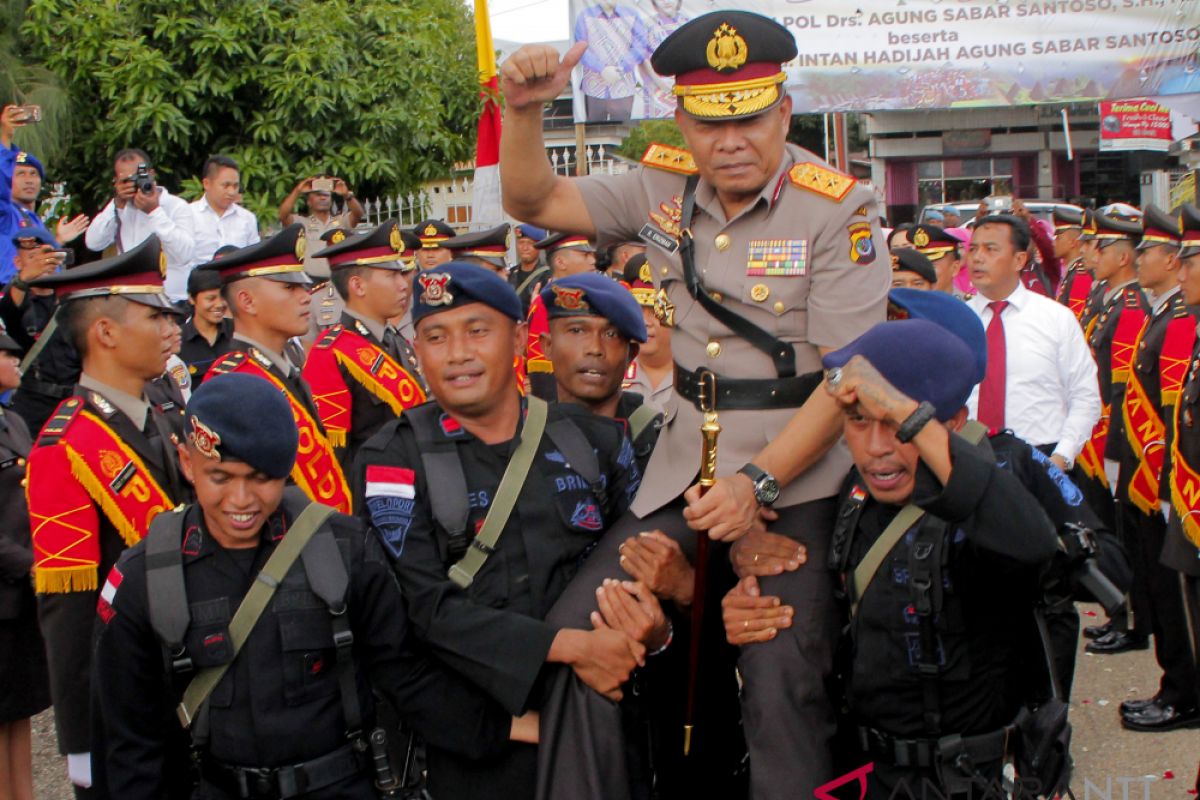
(391, 503)
(108, 593)
(391, 482)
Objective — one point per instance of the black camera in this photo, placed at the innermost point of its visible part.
(1079, 554)
(143, 181)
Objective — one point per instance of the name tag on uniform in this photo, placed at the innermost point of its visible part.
(777, 258)
(654, 236)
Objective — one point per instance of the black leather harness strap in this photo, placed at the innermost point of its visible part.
(781, 353)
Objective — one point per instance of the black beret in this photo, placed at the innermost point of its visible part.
(919, 359)
(726, 64)
(1159, 227)
(237, 417)
(595, 295)
(278, 258)
(136, 275)
(909, 259)
(458, 283)
(948, 311)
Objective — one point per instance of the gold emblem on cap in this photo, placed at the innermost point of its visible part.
(920, 238)
(430, 230)
(726, 50)
(337, 237)
(205, 440)
(644, 273)
(396, 240)
(723, 241)
(301, 246)
(759, 292)
(713, 349)
(162, 263)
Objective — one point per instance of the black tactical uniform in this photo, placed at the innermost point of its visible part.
(280, 704)
(936, 643)
(492, 633)
(198, 354)
(646, 434)
(51, 377)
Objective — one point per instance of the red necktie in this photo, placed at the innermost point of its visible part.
(991, 390)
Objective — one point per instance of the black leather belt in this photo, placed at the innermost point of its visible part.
(980, 749)
(279, 783)
(744, 393)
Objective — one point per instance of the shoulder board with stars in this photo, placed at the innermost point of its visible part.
(329, 337)
(820, 180)
(66, 412)
(227, 363)
(261, 358)
(672, 159)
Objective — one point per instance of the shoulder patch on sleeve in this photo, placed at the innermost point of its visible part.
(330, 336)
(58, 424)
(820, 180)
(672, 159)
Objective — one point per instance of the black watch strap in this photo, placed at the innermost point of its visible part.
(916, 421)
(19, 284)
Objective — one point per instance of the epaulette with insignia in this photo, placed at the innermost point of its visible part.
(261, 358)
(672, 159)
(1133, 297)
(329, 337)
(57, 425)
(821, 180)
(227, 363)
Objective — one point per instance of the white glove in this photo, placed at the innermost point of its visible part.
(1166, 510)
(1112, 470)
(79, 769)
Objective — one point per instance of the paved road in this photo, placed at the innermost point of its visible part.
(1111, 763)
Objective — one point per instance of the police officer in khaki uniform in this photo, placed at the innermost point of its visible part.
(787, 262)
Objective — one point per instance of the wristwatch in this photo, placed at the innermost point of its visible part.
(766, 488)
(916, 422)
(18, 283)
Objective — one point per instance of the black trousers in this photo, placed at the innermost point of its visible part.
(1158, 603)
(786, 710)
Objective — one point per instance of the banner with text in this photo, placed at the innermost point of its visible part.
(1135, 124)
(880, 54)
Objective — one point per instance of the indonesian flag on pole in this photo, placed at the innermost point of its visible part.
(488, 211)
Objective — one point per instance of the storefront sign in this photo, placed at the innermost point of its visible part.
(1136, 124)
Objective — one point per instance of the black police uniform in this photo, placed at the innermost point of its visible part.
(493, 633)
(977, 553)
(22, 653)
(279, 704)
(196, 351)
(1065, 505)
(51, 377)
(645, 438)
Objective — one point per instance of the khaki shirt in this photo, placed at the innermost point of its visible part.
(638, 380)
(826, 295)
(313, 228)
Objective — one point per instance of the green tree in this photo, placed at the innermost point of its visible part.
(648, 132)
(380, 92)
(25, 82)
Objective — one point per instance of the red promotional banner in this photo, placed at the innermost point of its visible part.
(1136, 124)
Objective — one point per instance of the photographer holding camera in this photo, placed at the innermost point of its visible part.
(141, 207)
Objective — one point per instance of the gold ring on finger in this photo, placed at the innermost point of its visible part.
(756, 558)
(745, 624)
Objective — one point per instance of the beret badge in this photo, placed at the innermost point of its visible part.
(205, 439)
(434, 289)
(569, 299)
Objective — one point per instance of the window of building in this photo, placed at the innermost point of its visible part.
(957, 180)
(458, 215)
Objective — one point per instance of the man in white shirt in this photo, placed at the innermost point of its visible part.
(1041, 378)
(139, 208)
(217, 217)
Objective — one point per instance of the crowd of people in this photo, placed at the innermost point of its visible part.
(721, 487)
